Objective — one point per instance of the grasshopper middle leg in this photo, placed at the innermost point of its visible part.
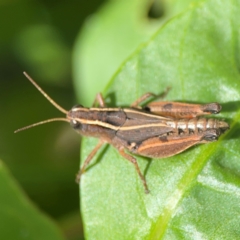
(147, 96)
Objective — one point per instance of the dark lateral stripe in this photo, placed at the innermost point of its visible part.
(127, 110)
(110, 126)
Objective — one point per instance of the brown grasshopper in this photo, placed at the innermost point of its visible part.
(158, 130)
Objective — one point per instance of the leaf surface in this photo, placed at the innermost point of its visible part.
(196, 194)
(107, 38)
(19, 218)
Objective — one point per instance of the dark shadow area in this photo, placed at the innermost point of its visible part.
(233, 132)
(99, 158)
(149, 162)
(233, 106)
(110, 100)
(156, 10)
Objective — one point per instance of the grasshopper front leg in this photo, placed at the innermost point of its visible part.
(87, 161)
(99, 100)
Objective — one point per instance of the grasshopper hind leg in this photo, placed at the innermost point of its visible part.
(134, 162)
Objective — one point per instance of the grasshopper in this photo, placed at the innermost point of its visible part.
(158, 130)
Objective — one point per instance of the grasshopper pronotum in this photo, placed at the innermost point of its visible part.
(158, 130)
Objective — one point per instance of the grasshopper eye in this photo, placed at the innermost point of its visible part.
(75, 124)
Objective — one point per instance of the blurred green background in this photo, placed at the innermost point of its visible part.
(38, 37)
(56, 42)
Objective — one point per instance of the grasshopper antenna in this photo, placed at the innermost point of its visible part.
(45, 95)
(50, 100)
(42, 122)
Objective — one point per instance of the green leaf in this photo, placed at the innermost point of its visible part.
(196, 194)
(19, 218)
(107, 38)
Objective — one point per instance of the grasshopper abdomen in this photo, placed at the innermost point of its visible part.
(195, 125)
